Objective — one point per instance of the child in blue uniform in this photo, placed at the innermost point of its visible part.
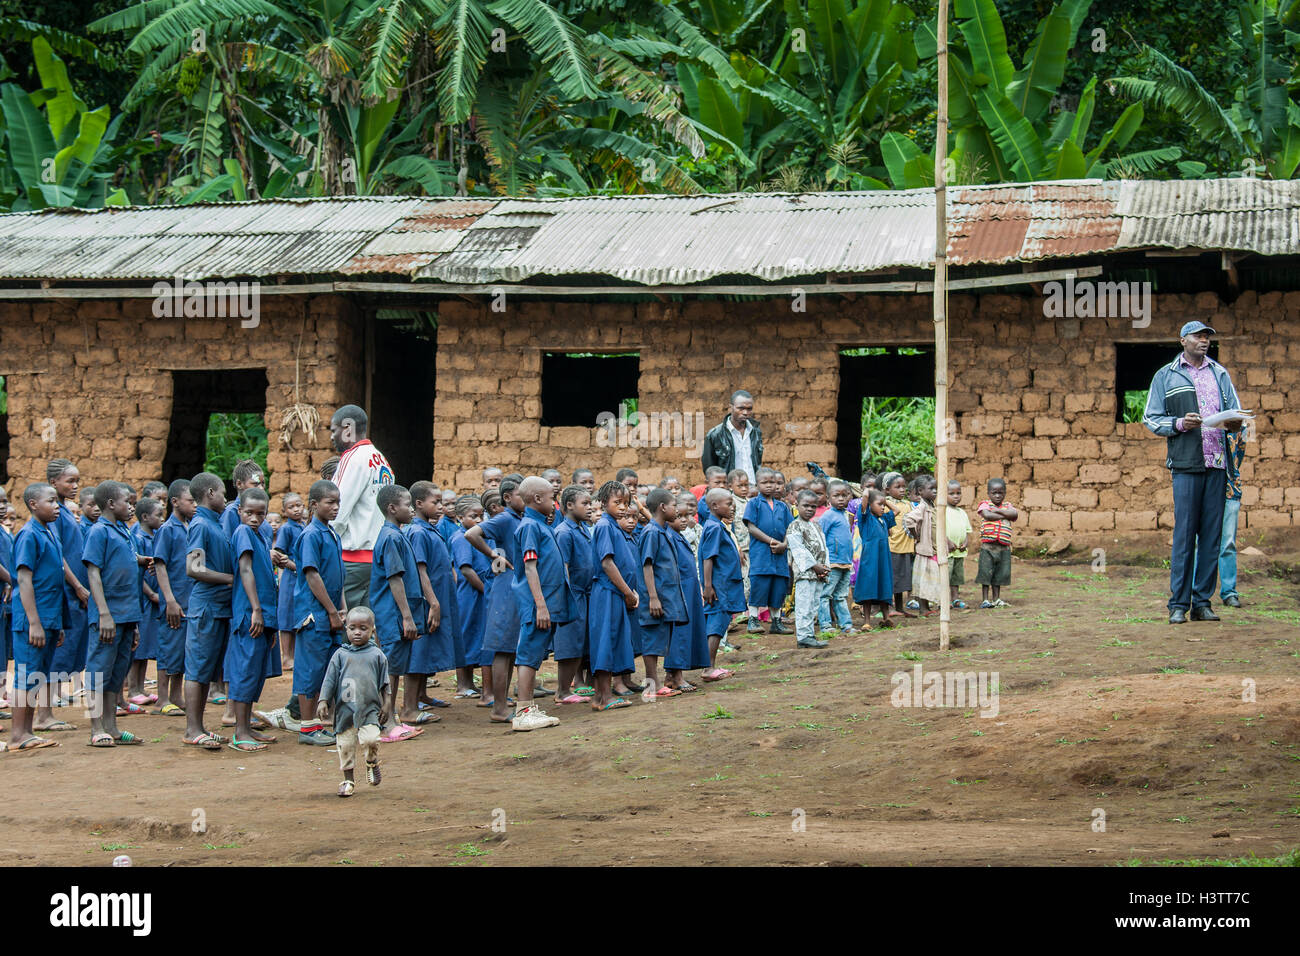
(246, 474)
(688, 645)
(39, 609)
(501, 632)
(720, 580)
(542, 597)
(7, 582)
(613, 596)
(662, 605)
(625, 683)
(252, 654)
(70, 657)
(286, 544)
(435, 651)
(317, 608)
(209, 562)
(398, 604)
(573, 535)
(766, 519)
(170, 545)
(149, 518)
(112, 569)
(874, 586)
(471, 608)
(447, 525)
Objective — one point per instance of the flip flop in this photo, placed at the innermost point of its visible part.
(204, 742)
(400, 732)
(245, 746)
(686, 688)
(128, 739)
(467, 695)
(218, 699)
(5, 715)
(433, 702)
(585, 691)
(633, 688)
(424, 718)
(102, 740)
(668, 692)
(130, 710)
(143, 700)
(614, 704)
(169, 710)
(58, 727)
(33, 743)
(719, 674)
(572, 699)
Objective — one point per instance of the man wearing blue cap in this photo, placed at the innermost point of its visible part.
(1183, 393)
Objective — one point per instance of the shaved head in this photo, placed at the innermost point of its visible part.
(533, 485)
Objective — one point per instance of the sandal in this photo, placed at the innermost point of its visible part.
(717, 675)
(433, 702)
(102, 740)
(666, 691)
(128, 739)
(572, 699)
(143, 700)
(346, 788)
(467, 694)
(33, 743)
(169, 710)
(204, 742)
(373, 776)
(400, 732)
(57, 727)
(245, 746)
(424, 718)
(614, 704)
(218, 699)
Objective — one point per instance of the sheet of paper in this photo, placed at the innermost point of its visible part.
(1218, 419)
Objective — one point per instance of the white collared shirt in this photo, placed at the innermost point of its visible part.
(744, 458)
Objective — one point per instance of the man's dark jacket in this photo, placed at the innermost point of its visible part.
(719, 450)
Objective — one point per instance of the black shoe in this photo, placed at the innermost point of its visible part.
(1178, 615)
(1232, 601)
(1204, 614)
(813, 643)
(779, 627)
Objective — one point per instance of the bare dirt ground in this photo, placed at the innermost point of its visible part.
(1103, 706)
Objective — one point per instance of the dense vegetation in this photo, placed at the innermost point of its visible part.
(182, 100)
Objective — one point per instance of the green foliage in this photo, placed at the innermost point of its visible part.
(232, 436)
(898, 434)
(1135, 403)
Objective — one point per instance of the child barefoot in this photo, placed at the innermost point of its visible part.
(874, 586)
(354, 691)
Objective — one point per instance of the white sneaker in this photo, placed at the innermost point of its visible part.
(533, 718)
(280, 718)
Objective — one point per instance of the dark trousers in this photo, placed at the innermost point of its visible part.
(1198, 532)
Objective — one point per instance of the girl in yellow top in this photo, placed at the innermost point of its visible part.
(902, 546)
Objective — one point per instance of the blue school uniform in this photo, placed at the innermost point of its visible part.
(392, 557)
(728, 586)
(150, 613)
(574, 539)
(839, 536)
(875, 580)
(37, 547)
(446, 527)
(7, 562)
(318, 549)
(435, 652)
(501, 632)
(230, 523)
(71, 657)
(535, 536)
(286, 542)
(249, 661)
(702, 510)
(170, 544)
(657, 548)
(208, 621)
(471, 606)
(609, 622)
(769, 574)
(688, 644)
(110, 548)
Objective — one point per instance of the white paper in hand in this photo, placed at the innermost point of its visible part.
(1219, 419)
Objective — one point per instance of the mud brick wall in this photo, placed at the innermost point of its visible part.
(90, 380)
(1032, 399)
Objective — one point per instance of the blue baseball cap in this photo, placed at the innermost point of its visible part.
(1191, 328)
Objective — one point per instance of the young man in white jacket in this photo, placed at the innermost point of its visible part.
(362, 470)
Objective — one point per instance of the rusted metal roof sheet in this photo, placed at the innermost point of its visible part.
(652, 240)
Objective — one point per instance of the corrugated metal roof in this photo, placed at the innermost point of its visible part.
(653, 240)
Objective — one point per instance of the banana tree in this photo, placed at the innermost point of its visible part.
(1260, 130)
(1001, 117)
(60, 156)
(844, 73)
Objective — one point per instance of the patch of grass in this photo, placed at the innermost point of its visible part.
(718, 713)
(469, 849)
(1116, 642)
(760, 813)
(110, 847)
(1291, 858)
(965, 783)
(221, 846)
(911, 656)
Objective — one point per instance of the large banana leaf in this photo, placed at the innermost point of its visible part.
(1124, 129)
(986, 42)
(1167, 85)
(1034, 86)
(558, 42)
(30, 145)
(64, 105)
(908, 167)
(462, 42)
(717, 111)
(90, 132)
(1013, 135)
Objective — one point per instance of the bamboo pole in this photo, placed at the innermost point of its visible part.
(941, 328)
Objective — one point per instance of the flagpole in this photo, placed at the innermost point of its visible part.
(941, 328)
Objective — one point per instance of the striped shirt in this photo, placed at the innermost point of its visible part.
(994, 530)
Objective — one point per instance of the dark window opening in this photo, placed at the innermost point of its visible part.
(1135, 366)
(578, 386)
(886, 410)
(4, 432)
(218, 417)
(404, 387)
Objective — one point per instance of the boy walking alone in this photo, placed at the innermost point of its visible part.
(355, 691)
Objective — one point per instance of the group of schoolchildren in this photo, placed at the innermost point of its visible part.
(496, 581)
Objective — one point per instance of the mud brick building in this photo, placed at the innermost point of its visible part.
(495, 331)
